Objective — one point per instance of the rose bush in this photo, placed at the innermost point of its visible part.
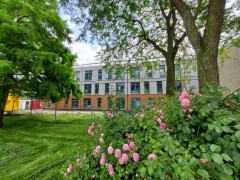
(189, 137)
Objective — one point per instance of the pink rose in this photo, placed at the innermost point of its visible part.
(110, 150)
(136, 157)
(190, 110)
(131, 145)
(117, 153)
(185, 103)
(184, 111)
(98, 148)
(126, 147)
(123, 159)
(110, 169)
(141, 115)
(101, 140)
(102, 160)
(151, 156)
(189, 116)
(163, 126)
(69, 169)
(203, 161)
(155, 118)
(130, 136)
(110, 115)
(65, 174)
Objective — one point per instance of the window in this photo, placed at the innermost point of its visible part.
(74, 104)
(135, 73)
(159, 87)
(135, 102)
(150, 102)
(120, 76)
(99, 102)
(162, 71)
(100, 75)
(47, 104)
(177, 70)
(135, 87)
(106, 88)
(87, 103)
(110, 75)
(120, 103)
(96, 88)
(88, 75)
(146, 88)
(178, 86)
(120, 88)
(87, 88)
(77, 75)
(149, 73)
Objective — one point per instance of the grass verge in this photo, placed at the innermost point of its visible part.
(39, 147)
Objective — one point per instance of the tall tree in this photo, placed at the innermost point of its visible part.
(132, 30)
(206, 42)
(33, 59)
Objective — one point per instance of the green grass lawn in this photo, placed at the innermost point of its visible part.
(40, 147)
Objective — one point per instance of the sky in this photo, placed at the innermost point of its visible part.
(85, 52)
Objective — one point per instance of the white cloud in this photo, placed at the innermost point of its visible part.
(85, 52)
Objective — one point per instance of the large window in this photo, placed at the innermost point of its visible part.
(146, 88)
(47, 104)
(87, 103)
(99, 102)
(178, 86)
(88, 75)
(96, 88)
(149, 73)
(77, 75)
(110, 75)
(120, 76)
(135, 73)
(120, 88)
(110, 102)
(75, 104)
(120, 103)
(87, 88)
(135, 87)
(159, 87)
(106, 88)
(100, 75)
(135, 102)
(162, 71)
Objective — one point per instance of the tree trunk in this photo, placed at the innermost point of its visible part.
(170, 90)
(206, 45)
(3, 100)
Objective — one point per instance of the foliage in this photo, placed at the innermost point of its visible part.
(191, 137)
(33, 58)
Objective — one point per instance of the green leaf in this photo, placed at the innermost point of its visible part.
(203, 173)
(237, 126)
(217, 158)
(237, 134)
(227, 169)
(150, 170)
(142, 171)
(215, 148)
(207, 156)
(203, 147)
(226, 157)
(226, 129)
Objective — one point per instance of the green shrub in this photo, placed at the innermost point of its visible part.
(186, 137)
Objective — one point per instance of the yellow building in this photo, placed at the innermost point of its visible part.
(12, 103)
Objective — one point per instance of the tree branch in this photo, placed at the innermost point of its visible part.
(19, 19)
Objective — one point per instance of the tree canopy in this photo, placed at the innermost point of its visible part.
(33, 58)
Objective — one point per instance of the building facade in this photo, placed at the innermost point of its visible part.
(106, 90)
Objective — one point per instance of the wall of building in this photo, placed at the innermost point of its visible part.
(229, 70)
(121, 100)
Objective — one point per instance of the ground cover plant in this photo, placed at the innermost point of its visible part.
(192, 136)
(38, 147)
